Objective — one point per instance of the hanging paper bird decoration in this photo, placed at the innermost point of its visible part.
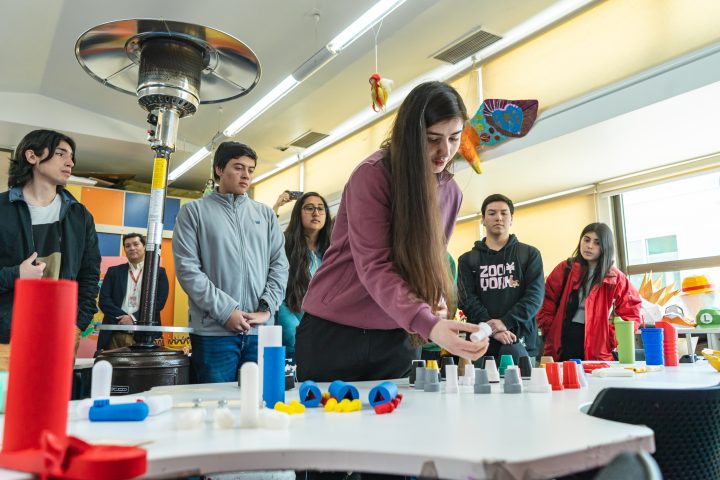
(380, 89)
(494, 122)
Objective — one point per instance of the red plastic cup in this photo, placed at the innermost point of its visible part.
(670, 338)
(553, 373)
(570, 375)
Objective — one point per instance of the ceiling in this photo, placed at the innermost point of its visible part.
(43, 86)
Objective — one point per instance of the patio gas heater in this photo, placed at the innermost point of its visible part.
(172, 67)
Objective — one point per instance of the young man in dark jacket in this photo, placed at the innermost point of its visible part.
(500, 282)
(46, 232)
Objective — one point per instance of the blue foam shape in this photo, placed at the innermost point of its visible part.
(273, 376)
(310, 389)
(104, 411)
(382, 393)
(341, 390)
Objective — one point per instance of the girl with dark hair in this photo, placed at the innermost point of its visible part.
(307, 237)
(386, 273)
(582, 294)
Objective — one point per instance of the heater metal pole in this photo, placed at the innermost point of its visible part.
(164, 146)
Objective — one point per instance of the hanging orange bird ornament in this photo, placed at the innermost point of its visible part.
(380, 89)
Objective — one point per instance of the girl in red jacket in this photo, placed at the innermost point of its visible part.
(581, 294)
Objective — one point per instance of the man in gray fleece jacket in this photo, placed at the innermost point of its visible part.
(230, 260)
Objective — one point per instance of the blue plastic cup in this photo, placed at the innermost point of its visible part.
(652, 339)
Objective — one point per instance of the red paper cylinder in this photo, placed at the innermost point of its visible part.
(41, 361)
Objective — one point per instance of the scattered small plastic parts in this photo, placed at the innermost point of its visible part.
(344, 406)
(293, 408)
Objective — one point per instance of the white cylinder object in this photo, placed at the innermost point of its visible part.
(451, 379)
(249, 386)
(101, 379)
(484, 332)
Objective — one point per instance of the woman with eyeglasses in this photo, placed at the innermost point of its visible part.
(385, 274)
(307, 237)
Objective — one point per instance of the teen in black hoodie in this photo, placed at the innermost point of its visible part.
(500, 281)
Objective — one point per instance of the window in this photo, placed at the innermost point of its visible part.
(673, 228)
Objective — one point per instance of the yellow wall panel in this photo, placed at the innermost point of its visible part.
(605, 44)
(464, 238)
(554, 227)
(75, 191)
(328, 171)
(268, 190)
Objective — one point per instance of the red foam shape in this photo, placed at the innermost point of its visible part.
(39, 379)
(570, 375)
(384, 408)
(399, 397)
(589, 367)
(553, 373)
(71, 458)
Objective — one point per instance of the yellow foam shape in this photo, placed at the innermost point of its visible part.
(330, 405)
(356, 405)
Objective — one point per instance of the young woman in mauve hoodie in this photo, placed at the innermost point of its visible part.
(385, 274)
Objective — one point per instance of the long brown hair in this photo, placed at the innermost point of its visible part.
(296, 250)
(417, 238)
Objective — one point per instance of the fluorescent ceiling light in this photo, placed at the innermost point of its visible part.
(73, 180)
(364, 23)
(282, 89)
(534, 24)
(194, 159)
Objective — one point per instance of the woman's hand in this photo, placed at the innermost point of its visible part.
(445, 333)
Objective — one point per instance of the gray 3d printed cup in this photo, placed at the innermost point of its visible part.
(538, 382)
(491, 369)
(413, 370)
(432, 380)
(482, 384)
(513, 382)
(420, 377)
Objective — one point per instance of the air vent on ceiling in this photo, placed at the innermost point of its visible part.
(307, 139)
(466, 46)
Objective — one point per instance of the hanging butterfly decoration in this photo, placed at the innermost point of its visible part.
(494, 122)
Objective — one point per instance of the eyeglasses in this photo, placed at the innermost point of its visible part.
(312, 209)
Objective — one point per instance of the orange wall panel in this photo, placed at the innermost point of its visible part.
(106, 206)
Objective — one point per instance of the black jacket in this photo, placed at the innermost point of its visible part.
(112, 295)
(507, 285)
(80, 256)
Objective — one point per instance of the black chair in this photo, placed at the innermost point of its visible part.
(631, 466)
(686, 425)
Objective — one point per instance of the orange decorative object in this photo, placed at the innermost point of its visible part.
(469, 143)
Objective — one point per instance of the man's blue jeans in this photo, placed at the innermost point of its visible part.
(217, 359)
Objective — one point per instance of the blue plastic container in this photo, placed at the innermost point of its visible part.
(104, 411)
(382, 393)
(310, 394)
(273, 376)
(341, 390)
(653, 344)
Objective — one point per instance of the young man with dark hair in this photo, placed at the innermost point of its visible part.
(46, 233)
(230, 260)
(500, 282)
(121, 292)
